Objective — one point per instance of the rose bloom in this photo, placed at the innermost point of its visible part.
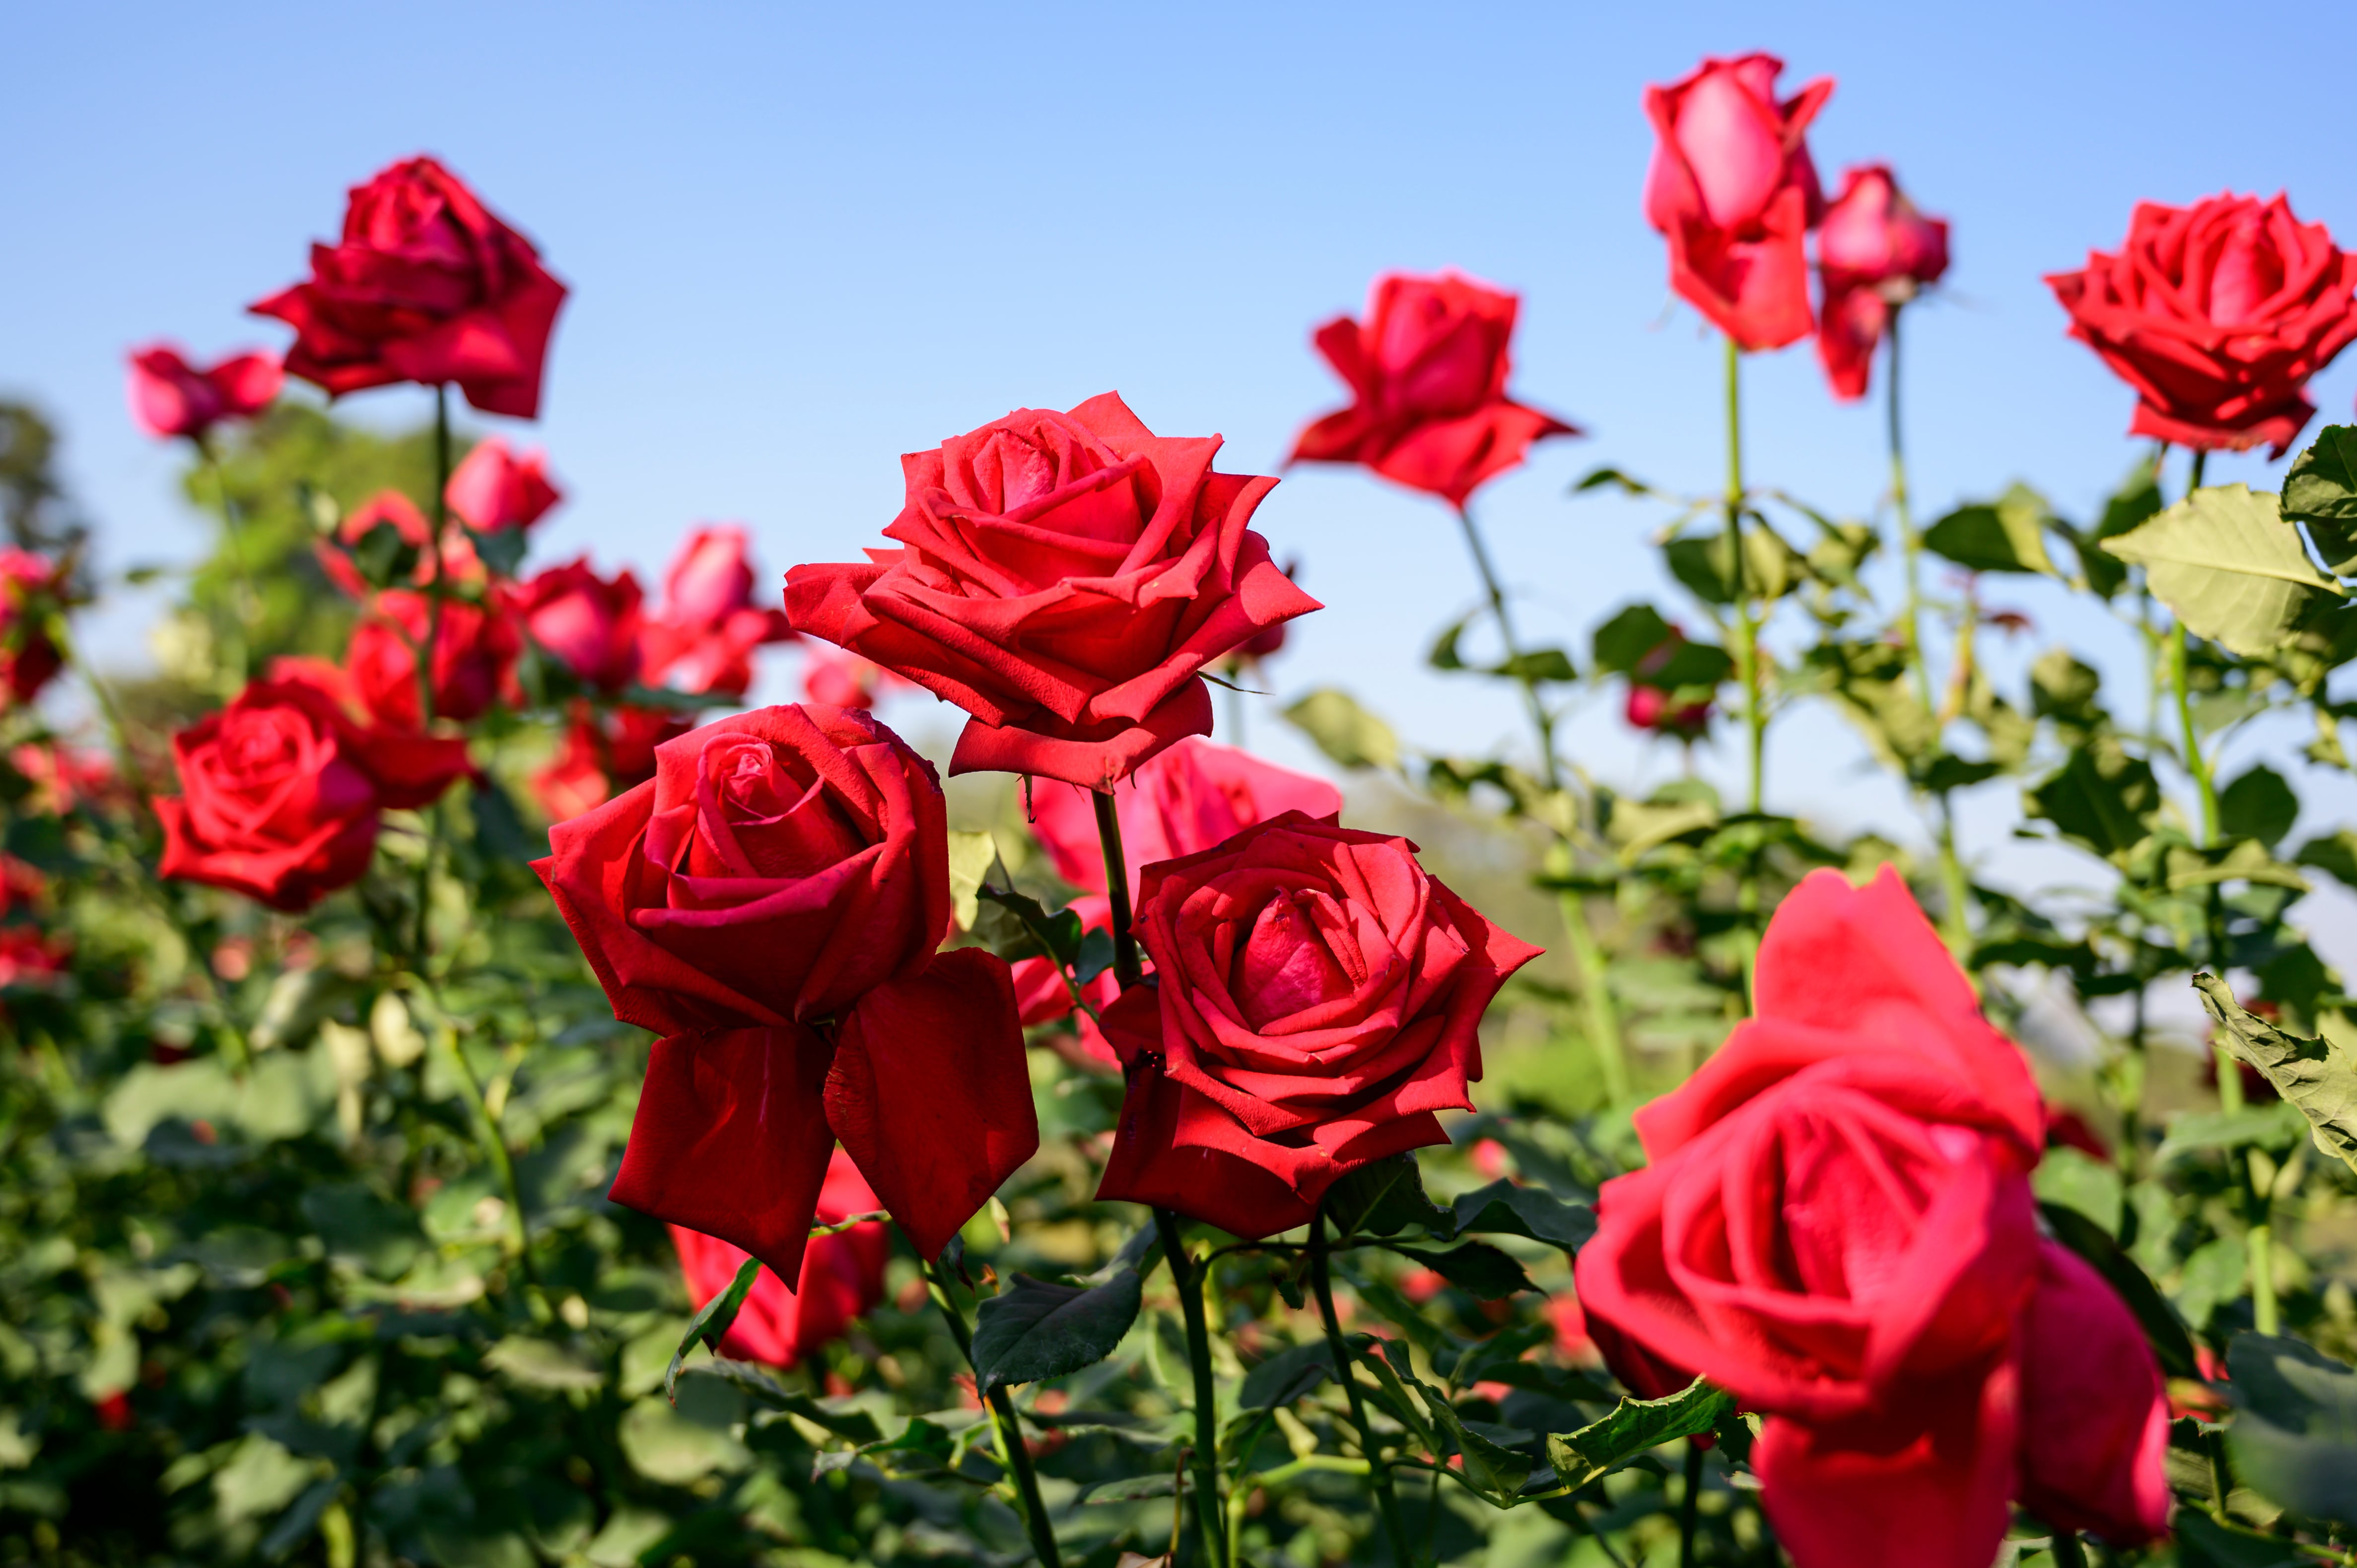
(702, 635)
(495, 487)
(28, 660)
(1064, 578)
(280, 791)
(426, 285)
(1836, 1225)
(1733, 190)
(64, 778)
(171, 397)
(605, 751)
(1875, 251)
(589, 623)
(771, 903)
(2217, 313)
(1318, 996)
(844, 680)
(475, 653)
(842, 1277)
(1428, 376)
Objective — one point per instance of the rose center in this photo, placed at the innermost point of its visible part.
(1286, 965)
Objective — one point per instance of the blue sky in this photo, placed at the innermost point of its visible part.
(803, 240)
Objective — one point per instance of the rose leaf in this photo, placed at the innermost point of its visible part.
(1036, 1328)
(2319, 1075)
(2294, 1436)
(2229, 566)
(1633, 1427)
(712, 1322)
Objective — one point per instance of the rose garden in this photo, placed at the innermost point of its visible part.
(473, 1091)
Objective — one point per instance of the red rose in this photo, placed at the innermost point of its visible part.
(1065, 578)
(1732, 189)
(29, 584)
(2217, 313)
(605, 752)
(474, 657)
(703, 636)
(426, 286)
(280, 791)
(1875, 250)
(1649, 703)
(1836, 1227)
(1318, 996)
(1427, 377)
(460, 563)
(770, 903)
(171, 397)
(2095, 1434)
(842, 1277)
(495, 487)
(590, 624)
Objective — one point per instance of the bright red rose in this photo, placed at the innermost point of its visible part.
(844, 680)
(605, 751)
(280, 791)
(1875, 251)
(1065, 578)
(1836, 1225)
(702, 638)
(2217, 313)
(496, 488)
(1428, 376)
(428, 286)
(475, 653)
(589, 623)
(842, 1277)
(458, 560)
(1732, 189)
(770, 903)
(29, 586)
(1318, 997)
(171, 397)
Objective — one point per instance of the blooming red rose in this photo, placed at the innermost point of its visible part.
(842, 1277)
(428, 286)
(1318, 995)
(1836, 1226)
(1875, 250)
(702, 635)
(2217, 313)
(590, 624)
(496, 488)
(1732, 189)
(171, 397)
(29, 586)
(1064, 579)
(474, 652)
(770, 903)
(280, 791)
(1428, 376)
(459, 561)
(605, 752)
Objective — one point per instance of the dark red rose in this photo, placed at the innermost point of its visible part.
(605, 752)
(1065, 579)
(1318, 996)
(1428, 376)
(1875, 251)
(590, 624)
(29, 587)
(280, 791)
(1733, 190)
(842, 1277)
(2217, 313)
(1836, 1225)
(171, 397)
(426, 285)
(496, 488)
(771, 903)
(702, 635)
(474, 652)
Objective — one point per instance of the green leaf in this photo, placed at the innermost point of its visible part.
(1475, 1266)
(2314, 1075)
(1770, 566)
(711, 1322)
(1029, 931)
(1036, 1330)
(363, 1229)
(1596, 478)
(541, 1364)
(2171, 1345)
(1633, 1427)
(2334, 854)
(382, 557)
(1496, 1472)
(1384, 1197)
(971, 857)
(1506, 1209)
(2203, 1542)
(501, 550)
(1289, 1374)
(2076, 1181)
(2203, 1131)
(1538, 664)
(2066, 691)
(2258, 805)
(853, 1424)
(1344, 731)
(2294, 1437)
(1444, 654)
(2320, 490)
(2225, 563)
(1624, 641)
(2007, 535)
(2102, 797)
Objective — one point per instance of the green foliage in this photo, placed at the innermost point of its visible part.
(1339, 727)
(2295, 1432)
(2224, 562)
(2320, 492)
(2007, 535)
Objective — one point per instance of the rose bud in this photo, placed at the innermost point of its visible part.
(1064, 578)
(842, 1277)
(475, 652)
(495, 487)
(280, 791)
(171, 397)
(605, 752)
(590, 624)
(771, 903)
(1318, 996)
(1875, 251)
(1733, 190)
(29, 584)
(2217, 313)
(1428, 376)
(426, 285)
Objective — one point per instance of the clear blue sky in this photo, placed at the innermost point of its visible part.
(803, 240)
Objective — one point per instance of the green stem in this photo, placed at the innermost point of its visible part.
(2066, 1550)
(1911, 543)
(1690, 1505)
(1541, 721)
(1955, 917)
(2264, 1316)
(1747, 627)
(422, 936)
(1387, 1500)
(1210, 1510)
(1126, 970)
(1012, 1453)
